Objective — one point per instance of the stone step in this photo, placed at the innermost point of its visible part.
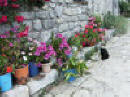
(32, 86)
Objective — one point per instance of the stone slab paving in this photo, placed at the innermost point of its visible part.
(109, 78)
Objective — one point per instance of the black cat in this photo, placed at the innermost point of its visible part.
(104, 54)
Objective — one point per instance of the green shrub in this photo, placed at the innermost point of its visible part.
(120, 25)
(123, 6)
(109, 21)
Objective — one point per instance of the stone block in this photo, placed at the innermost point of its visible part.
(72, 11)
(45, 36)
(28, 15)
(37, 25)
(83, 17)
(71, 25)
(63, 27)
(4, 28)
(17, 91)
(58, 10)
(35, 86)
(48, 24)
(42, 14)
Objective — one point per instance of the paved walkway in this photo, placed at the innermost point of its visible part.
(110, 78)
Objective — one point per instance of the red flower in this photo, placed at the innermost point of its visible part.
(76, 35)
(19, 18)
(15, 5)
(86, 31)
(83, 36)
(14, 0)
(9, 69)
(91, 26)
(94, 30)
(3, 19)
(47, 0)
(84, 44)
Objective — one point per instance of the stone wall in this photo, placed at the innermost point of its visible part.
(64, 16)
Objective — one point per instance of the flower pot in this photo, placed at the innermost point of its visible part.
(21, 75)
(5, 82)
(72, 78)
(33, 69)
(46, 68)
(69, 56)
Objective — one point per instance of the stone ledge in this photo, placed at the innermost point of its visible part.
(35, 86)
(17, 91)
(32, 86)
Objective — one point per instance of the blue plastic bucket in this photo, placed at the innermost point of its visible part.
(72, 78)
(33, 69)
(5, 82)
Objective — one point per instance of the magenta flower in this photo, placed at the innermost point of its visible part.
(43, 44)
(37, 53)
(50, 47)
(47, 56)
(60, 62)
(11, 44)
(59, 35)
(39, 64)
(67, 52)
(86, 26)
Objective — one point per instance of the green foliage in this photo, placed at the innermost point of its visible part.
(123, 5)
(74, 63)
(109, 21)
(3, 64)
(120, 25)
(89, 54)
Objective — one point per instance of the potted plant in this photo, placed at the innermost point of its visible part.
(62, 48)
(33, 67)
(43, 54)
(5, 74)
(73, 68)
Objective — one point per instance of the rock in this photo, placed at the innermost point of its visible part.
(83, 17)
(42, 14)
(28, 15)
(58, 10)
(17, 91)
(52, 4)
(47, 24)
(82, 93)
(45, 36)
(72, 11)
(62, 95)
(63, 27)
(37, 25)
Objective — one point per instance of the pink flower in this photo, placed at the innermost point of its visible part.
(11, 44)
(86, 26)
(59, 35)
(91, 26)
(94, 30)
(91, 18)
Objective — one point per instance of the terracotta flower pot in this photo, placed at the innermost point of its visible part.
(46, 68)
(21, 75)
